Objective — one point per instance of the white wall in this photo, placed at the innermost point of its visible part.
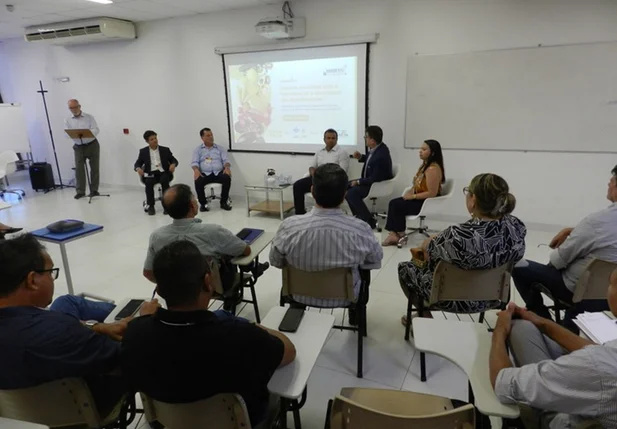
(171, 81)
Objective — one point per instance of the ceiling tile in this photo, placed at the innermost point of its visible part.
(200, 6)
(161, 9)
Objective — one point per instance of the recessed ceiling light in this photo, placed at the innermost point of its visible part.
(102, 1)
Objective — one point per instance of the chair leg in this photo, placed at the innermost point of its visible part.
(557, 308)
(408, 324)
(364, 322)
(481, 319)
(255, 306)
(360, 348)
(422, 366)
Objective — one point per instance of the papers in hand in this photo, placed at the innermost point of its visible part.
(598, 327)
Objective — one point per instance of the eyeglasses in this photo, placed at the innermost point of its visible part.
(54, 272)
(466, 190)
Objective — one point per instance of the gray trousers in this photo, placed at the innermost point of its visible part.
(91, 152)
(529, 345)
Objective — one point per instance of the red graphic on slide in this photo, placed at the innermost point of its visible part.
(255, 111)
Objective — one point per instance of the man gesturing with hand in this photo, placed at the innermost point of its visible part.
(565, 378)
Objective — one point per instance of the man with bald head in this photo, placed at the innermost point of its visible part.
(211, 239)
(84, 148)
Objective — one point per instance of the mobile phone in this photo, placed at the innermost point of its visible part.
(243, 234)
(129, 309)
(291, 320)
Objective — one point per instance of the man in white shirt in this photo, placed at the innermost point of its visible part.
(594, 237)
(565, 378)
(330, 154)
(84, 148)
(155, 164)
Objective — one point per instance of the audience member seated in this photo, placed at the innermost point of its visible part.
(82, 308)
(594, 237)
(40, 346)
(565, 378)
(426, 184)
(377, 168)
(331, 153)
(212, 240)
(187, 353)
(155, 164)
(493, 237)
(326, 237)
(211, 165)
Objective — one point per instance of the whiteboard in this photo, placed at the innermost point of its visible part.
(561, 99)
(13, 129)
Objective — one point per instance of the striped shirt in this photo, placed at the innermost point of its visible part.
(210, 160)
(578, 386)
(325, 239)
(84, 121)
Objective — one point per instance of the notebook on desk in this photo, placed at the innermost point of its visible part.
(249, 235)
(597, 326)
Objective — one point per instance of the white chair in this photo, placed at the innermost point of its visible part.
(381, 190)
(8, 166)
(158, 193)
(211, 191)
(430, 206)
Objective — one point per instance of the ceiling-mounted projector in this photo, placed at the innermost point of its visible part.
(281, 28)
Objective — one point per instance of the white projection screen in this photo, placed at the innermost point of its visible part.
(283, 100)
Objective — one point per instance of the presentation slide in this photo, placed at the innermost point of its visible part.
(283, 101)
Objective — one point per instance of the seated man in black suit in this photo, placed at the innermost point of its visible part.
(155, 164)
(377, 168)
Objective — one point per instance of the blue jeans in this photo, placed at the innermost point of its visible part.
(81, 308)
(226, 315)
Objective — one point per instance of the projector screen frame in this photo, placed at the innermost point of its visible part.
(366, 40)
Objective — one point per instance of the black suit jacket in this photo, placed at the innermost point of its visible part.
(143, 160)
(379, 167)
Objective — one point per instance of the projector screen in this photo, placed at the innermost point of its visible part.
(284, 100)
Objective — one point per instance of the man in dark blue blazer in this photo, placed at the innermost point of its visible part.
(155, 164)
(377, 168)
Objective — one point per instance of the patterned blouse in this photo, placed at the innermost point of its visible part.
(473, 245)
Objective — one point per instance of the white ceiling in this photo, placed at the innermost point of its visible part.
(35, 12)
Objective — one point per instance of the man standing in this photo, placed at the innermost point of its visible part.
(377, 168)
(84, 148)
(155, 164)
(594, 237)
(331, 154)
(326, 237)
(211, 165)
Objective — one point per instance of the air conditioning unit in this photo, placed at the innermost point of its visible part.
(82, 31)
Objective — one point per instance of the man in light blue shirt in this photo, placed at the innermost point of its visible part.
(211, 165)
(594, 237)
(84, 148)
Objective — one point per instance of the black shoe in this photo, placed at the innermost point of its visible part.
(95, 194)
(225, 206)
(165, 212)
(156, 425)
(10, 230)
(151, 211)
(78, 196)
(353, 320)
(204, 208)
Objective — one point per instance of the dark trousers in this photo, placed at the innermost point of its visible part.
(92, 152)
(355, 197)
(398, 209)
(301, 188)
(164, 178)
(203, 180)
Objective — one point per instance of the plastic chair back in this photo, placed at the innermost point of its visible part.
(385, 188)
(593, 283)
(451, 283)
(335, 283)
(222, 411)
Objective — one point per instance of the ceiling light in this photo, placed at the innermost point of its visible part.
(102, 1)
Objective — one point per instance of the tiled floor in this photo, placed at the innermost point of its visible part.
(110, 264)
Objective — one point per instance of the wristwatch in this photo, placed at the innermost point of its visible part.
(91, 323)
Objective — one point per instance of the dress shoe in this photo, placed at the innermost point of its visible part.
(225, 206)
(204, 208)
(151, 211)
(95, 194)
(10, 230)
(78, 196)
(165, 212)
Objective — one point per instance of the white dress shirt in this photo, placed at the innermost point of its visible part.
(578, 386)
(84, 121)
(155, 160)
(594, 237)
(336, 155)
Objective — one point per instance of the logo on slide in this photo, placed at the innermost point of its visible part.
(340, 71)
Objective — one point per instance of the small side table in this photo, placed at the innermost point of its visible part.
(268, 206)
